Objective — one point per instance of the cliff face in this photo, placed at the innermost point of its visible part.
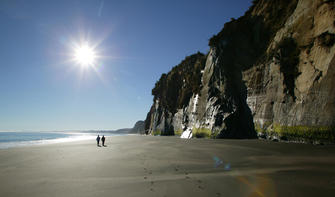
(173, 93)
(271, 72)
(138, 127)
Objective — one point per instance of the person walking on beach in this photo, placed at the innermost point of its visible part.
(98, 140)
(103, 140)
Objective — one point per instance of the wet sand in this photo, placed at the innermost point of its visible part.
(168, 166)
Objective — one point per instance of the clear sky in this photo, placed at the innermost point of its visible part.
(134, 41)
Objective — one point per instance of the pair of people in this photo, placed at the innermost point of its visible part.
(102, 140)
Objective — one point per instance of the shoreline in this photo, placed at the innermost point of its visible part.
(32, 143)
(74, 138)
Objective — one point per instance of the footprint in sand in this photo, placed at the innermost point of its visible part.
(152, 186)
(218, 194)
(200, 185)
(186, 175)
(149, 172)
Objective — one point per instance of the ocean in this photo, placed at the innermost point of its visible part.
(16, 139)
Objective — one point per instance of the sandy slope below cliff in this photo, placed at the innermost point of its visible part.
(168, 166)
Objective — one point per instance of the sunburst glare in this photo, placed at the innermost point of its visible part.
(84, 55)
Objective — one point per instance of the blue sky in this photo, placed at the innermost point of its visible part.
(136, 41)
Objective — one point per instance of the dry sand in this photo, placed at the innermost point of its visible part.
(168, 166)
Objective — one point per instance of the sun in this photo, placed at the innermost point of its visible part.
(85, 55)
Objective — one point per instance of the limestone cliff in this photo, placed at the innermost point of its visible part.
(271, 72)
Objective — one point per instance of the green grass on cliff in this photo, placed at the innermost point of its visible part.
(305, 132)
(178, 132)
(156, 132)
(300, 132)
(204, 133)
(201, 133)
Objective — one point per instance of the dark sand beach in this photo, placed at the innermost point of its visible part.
(168, 166)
